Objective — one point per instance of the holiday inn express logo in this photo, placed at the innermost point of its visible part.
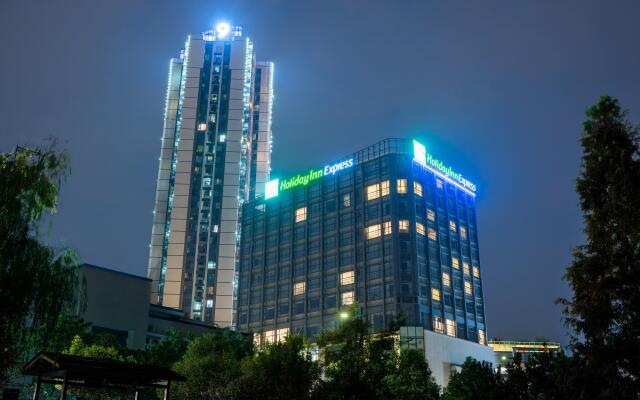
(422, 157)
(273, 187)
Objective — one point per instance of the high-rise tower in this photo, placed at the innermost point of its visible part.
(215, 154)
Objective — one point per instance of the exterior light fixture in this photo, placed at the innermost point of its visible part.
(344, 315)
(222, 29)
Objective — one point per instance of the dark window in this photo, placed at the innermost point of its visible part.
(314, 304)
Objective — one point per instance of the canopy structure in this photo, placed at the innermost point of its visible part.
(68, 370)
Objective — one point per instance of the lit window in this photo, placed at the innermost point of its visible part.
(386, 228)
(438, 327)
(384, 188)
(465, 268)
(269, 337)
(417, 188)
(215, 229)
(373, 231)
(347, 278)
(452, 226)
(346, 200)
(301, 214)
(455, 262)
(373, 191)
(419, 228)
(463, 232)
(298, 288)
(377, 190)
(451, 327)
(282, 334)
(439, 183)
(432, 234)
(467, 287)
(446, 279)
(202, 127)
(257, 339)
(431, 215)
(482, 338)
(402, 186)
(476, 272)
(210, 303)
(347, 298)
(222, 138)
(435, 294)
(403, 225)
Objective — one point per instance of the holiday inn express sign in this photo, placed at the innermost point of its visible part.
(273, 187)
(420, 155)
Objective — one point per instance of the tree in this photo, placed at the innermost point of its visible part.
(166, 351)
(350, 372)
(106, 347)
(475, 381)
(212, 363)
(37, 283)
(279, 371)
(605, 272)
(359, 365)
(410, 378)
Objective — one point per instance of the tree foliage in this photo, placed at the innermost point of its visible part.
(605, 274)
(37, 283)
(166, 351)
(409, 378)
(476, 380)
(212, 363)
(361, 365)
(278, 371)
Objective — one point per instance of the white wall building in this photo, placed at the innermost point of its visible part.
(215, 154)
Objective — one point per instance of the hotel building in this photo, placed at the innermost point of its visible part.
(215, 155)
(389, 227)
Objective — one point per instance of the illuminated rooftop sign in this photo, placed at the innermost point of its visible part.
(422, 157)
(273, 187)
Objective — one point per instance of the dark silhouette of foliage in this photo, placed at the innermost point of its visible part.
(360, 365)
(166, 351)
(475, 381)
(410, 378)
(212, 364)
(605, 273)
(37, 283)
(279, 371)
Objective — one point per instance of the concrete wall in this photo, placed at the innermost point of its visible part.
(117, 301)
(444, 354)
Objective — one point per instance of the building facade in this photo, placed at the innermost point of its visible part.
(389, 227)
(215, 154)
(507, 351)
(128, 316)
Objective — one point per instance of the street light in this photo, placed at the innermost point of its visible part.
(344, 315)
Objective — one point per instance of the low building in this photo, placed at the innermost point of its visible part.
(444, 354)
(117, 303)
(506, 351)
(161, 319)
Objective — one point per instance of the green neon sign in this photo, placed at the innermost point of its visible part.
(422, 157)
(273, 187)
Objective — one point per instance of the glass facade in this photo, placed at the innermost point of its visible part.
(388, 233)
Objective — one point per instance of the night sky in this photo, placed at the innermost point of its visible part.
(496, 89)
